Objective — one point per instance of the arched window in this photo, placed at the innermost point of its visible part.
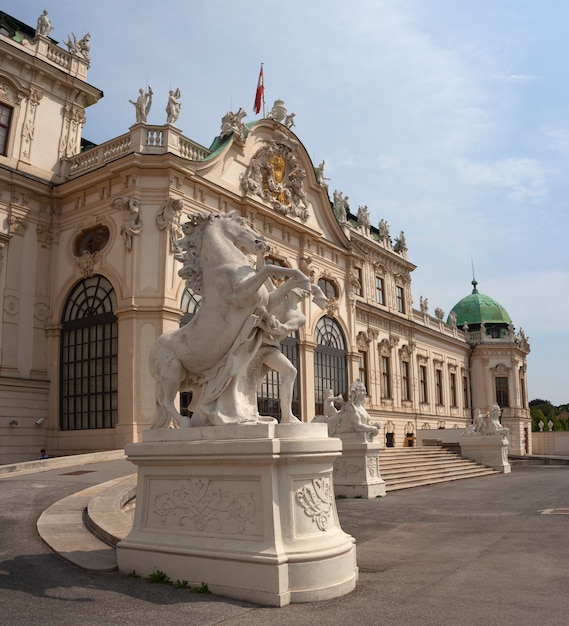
(88, 357)
(330, 362)
(328, 288)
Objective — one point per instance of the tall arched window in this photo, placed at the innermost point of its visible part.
(330, 362)
(88, 357)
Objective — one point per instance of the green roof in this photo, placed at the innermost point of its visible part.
(477, 308)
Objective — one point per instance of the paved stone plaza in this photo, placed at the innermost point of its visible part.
(477, 551)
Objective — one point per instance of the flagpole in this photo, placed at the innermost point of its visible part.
(263, 90)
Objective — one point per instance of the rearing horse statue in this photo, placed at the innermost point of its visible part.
(212, 355)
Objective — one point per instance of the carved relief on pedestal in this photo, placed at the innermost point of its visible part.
(276, 175)
(210, 505)
(315, 499)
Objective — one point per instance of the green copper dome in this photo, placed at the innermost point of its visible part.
(477, 308)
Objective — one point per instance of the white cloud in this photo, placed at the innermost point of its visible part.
(523, 177)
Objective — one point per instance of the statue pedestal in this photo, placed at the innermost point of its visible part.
(356, 472)
(488, 450)
(247, 509)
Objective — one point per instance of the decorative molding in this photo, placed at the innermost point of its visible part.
(316, 501)
(275, 175)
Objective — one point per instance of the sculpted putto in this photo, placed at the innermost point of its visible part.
(225, 349)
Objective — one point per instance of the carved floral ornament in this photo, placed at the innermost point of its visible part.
(275, 175)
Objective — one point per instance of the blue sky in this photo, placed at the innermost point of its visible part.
(447, 118)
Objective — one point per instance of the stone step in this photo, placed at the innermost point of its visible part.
(403, 468)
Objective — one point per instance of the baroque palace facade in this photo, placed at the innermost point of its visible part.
(89, 278)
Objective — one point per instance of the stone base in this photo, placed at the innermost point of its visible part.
(356, 472)
(488, 450)
(247, 509)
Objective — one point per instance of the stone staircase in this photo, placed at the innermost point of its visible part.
(403, 468)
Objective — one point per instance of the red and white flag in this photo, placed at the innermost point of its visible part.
(259, 93)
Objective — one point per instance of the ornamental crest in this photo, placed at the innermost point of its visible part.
(275, 175)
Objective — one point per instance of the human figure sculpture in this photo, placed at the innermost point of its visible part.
(329, 402)
(232, 123)
(340, 206)
(216, 354)
(173, 106)
(132, 224)
(320, 178)
(44, 26)
(383, 228)
(352, 417)
(142, 104)
(168, 219)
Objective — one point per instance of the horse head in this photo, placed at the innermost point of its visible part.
(242, 235)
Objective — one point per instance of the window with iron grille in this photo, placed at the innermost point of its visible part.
(88, 374)
(400, 299)
(502, 396)
(405, 381)
(385, 377)
(5, 121)
(453, 398)
(423, 394)
(379, 292)
(439, 386)
(330, 362)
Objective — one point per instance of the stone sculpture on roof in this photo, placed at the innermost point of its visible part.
(173, 106)
(44, 26)
(233, 124)
(142, 105)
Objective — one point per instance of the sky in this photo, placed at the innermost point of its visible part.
(447, 118)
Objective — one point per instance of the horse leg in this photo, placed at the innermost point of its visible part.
(170, 377)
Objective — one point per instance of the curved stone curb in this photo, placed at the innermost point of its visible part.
(29, 467)
(62, 525)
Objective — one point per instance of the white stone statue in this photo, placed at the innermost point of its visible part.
(232, 123)
(340, 206)
(352, 417)
(550, 426)
(400, 243)
(142, 104)
(44, 26)
(168, 219)
(383, 228)
(320, 178)
(79, 47)
(173, 106)
(487, 423)
(424, 304)
(540, 425)
(221, 353)
(363, 217)
(329, 403)
(452, 318)
(132, 224)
